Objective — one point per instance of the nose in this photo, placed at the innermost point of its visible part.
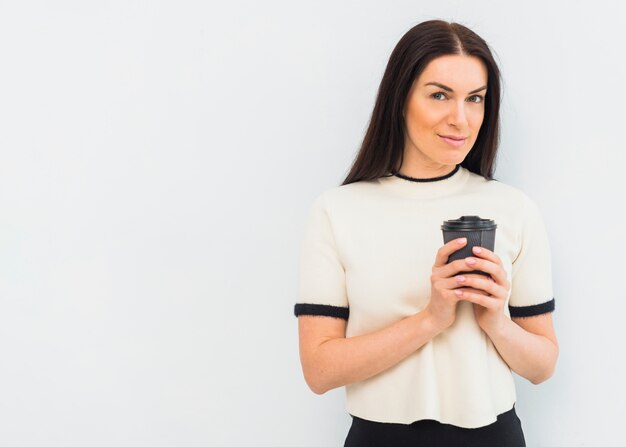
(457, 116)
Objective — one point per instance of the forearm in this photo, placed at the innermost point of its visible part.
(530, 355)
(341, 361)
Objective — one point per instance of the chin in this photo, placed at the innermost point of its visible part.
(451, 161)
(457, 159)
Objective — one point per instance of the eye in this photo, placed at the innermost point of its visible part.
(479, 100)
(434, 95)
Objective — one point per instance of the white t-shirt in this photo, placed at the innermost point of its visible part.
(367, 256)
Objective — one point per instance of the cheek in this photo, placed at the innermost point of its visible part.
(476, 118)
(424, 118)
(419, 129)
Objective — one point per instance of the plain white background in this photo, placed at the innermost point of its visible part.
(158, 159)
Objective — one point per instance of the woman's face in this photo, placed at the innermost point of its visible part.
(447, 99)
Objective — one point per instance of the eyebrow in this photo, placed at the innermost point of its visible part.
(445, 87)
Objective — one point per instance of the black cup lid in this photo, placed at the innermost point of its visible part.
(468, 223)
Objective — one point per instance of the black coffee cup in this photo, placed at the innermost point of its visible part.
(479, 233)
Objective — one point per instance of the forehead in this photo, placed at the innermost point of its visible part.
(458, 71)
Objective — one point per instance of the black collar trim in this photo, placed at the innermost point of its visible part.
(434, 179)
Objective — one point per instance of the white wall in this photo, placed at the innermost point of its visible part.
(157, 160)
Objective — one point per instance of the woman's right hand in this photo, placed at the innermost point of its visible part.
(442, 305)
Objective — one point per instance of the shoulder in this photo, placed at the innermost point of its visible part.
(500, 190)
(341, 196)
(523, 209)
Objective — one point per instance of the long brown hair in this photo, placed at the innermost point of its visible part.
(382, 150)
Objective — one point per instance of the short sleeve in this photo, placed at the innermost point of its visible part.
(322, 279)
(531, 281)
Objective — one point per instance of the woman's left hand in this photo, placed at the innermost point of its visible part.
(488, 293)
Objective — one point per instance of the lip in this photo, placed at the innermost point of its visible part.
(453, 137)
(453, 141)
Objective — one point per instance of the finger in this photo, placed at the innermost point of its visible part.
(453, 268)
(486, 254)
(444, 252)
(452, 283)
(477, 298)
(481, 283)
(484, 265)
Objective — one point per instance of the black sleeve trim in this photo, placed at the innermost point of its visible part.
(321, 309)
(531, 311)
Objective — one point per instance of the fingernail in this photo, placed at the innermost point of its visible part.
(460, 278)
(462, 240)
(458, 292)
(477, 249)
(470, 260)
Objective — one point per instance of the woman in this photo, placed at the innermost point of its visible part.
(425, 350)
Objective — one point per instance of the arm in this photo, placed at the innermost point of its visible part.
(528, 345)
(329, 360)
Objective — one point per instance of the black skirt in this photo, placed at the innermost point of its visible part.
(505, 432)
